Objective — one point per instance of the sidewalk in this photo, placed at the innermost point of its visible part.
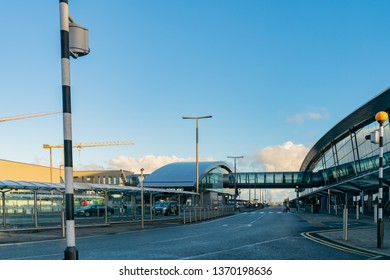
(362, 233)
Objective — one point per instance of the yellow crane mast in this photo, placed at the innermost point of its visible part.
(25, 116)
(79, 146)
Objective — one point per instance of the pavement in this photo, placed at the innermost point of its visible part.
(361, 234)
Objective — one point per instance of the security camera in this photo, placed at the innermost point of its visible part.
(373, 137)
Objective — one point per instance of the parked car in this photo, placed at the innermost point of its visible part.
(94, 210)
(166, 208)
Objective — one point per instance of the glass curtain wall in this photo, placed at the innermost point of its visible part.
(353, 155)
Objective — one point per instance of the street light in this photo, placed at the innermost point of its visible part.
(235, 178)
(197, 149)
(380, 117)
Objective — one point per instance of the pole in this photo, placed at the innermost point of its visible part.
(380, 117)
(3, 208)
(142, 200)
(235, 178)
(235, 183)
(380, 191)
(51, 166)
(197, 151)
(197, 158)
(71, 252)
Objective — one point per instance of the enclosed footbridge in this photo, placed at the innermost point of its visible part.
(274, 180)
(349, 177)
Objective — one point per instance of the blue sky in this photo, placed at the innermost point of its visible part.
(275, 75)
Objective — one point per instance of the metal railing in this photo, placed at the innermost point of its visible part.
(17, 217)
(197, 214)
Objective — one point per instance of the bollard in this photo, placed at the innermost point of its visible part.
(345, 224)
(380, 233)
(357, 211)
(376, 214)
(63, 233)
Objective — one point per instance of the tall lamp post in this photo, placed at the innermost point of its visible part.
(197, 148)
(380, 117)
(235, 178)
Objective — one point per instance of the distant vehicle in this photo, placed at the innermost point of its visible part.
(166, 208)
(94, 210)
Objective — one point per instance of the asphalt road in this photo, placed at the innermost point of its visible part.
(265, 234)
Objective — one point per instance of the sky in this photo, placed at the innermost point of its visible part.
(274, 75)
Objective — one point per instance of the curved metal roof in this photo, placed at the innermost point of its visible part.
(357, 119)
(181, 174)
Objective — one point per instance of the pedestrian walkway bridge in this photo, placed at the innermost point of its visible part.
(275, 180)
(353, 176)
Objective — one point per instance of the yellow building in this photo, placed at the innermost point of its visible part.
(18, 171)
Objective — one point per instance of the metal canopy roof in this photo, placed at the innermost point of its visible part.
(36, 186)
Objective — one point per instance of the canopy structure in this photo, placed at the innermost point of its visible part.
(37, 186)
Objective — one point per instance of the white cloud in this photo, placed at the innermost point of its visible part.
(285, 157)
(43, 161)
(300, 118)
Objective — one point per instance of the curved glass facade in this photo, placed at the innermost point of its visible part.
(354, 149)
(352, 155)
(347, 161)
(214, 179)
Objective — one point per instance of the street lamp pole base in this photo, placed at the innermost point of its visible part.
(71, 253)
(381, 231)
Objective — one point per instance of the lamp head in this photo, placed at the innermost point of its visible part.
(381, 117)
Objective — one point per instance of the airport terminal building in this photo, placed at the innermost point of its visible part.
(340, 169)
(347, 162)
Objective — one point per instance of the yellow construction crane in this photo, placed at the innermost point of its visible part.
(79, 146)
(25, 116)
